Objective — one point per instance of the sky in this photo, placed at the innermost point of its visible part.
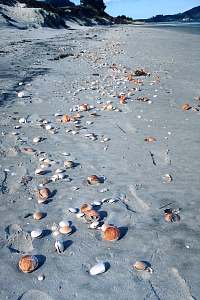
(147, 8)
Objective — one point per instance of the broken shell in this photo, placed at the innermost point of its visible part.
(64, 223)
(150, 139)
(111, 233)
(59, 245)
(98, 269)
(37, 139)
(65, 230)
(68, 164)
(43, 195)
(84, 107)
(85, 207)
(91, 216)
(73, 210)
(93, 179)
(28, 263)
(36, 233)
(186, 106)
(38, 215)
(142, 266)
(66, 119)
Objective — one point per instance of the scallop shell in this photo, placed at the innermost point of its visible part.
(91, 216)
(65, 230)
(38, 215)
(64, 223)
(37, 233)
(93, 179)
(59, 245)
(66, 119)
(111, 233)
(68, 164)
(43, 195)
(28, 263)
(85, 207)
(98, 269)
(186, 106)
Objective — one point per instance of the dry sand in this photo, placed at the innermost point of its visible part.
(132, 168)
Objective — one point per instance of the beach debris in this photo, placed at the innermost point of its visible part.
(98, 269)
(65, 230)
(91, 216)
(37, 233)
(142, 266)
(150, 139)
(94, 179)
(28, 263)
(69, 164)
(171, 215)
(167, 178)
(140, 72)
(59, 245)
(38, 215)
(85, 207)
(186, 106)
(43, 194)
(110, 233)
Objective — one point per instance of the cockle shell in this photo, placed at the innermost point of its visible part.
(38, 215)
(68, 164)
(111, 233)
(85, 207)
(93, 179)
(59, 245)
(28, 263)
(150, 139)
(65, 230)
(43, 195)
(142, 266)
(98, 269)
(64, 223)
(91, 216)
(37, 233)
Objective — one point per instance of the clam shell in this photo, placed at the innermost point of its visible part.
(85, 207)
(93, 179)
(59, 245)
(111, 233)
(49, 127)
(64, 223)
(28, 263)
(186, 106)
(39, 171)
(73, 210)
(167, 178)
(68, 164)
(96, 203)
(98, 269)
(83, 107)
(65, 230)
(38, 215)
(37, 233)
(43, 195)
(22, 120)
(142, 266)
(37, 139)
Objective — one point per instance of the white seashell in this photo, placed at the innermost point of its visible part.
(98, 269)
(96, 203)
(48, 127)
(61, 175)
(57, 114)
(59, 245)
(64, 223)
(37, 139)
(20, 94)
(22, 120)
(41, 159)
(105, 200)
(89, 123)
(54, 227)
(112, 200)
(39, 171)
(57, 171)
(36, 233)
(17, 127)
(41, 277)
(73, 210)
(55, 177)
(94, 225)
(80, 215)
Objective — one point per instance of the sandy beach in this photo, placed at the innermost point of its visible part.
(145, 150)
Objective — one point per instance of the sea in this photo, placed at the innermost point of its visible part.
(192, 27)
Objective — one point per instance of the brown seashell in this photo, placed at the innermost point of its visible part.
(111, 233)
(43, 195)
(66, 119)
(93, 179)
(85, 207)
(38, 215)
(168, 217)
(122, 99)
(142, 266)
(91, 215)
(186, 106)
(65, 230)
(28, 263)
(150, 139)
(84, 107)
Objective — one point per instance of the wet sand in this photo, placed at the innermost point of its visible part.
(95, 72)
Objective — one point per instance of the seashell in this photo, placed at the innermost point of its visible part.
(167, 178)
(49, 127)
(28, 263)
(73, 210)
(59, 245)
(93, 179)
(150, 139)
(43, 195)
(36, 233)
(20, 94)
(122, 99)
(94, 225)
(64, 223)
(38, 215)
(57, 171)
(84, 107)
(96, 203)
(168, 215)
(111, 233)
(142, 266)
(80, 215)
(61, 176)
(37, 139)
(55, 177)
(85, 207)
(98, 269)
(91, 215)
(66, 119)
(27, 150)
(65, 230)
(186, 106)
(41, 277)
(68, 164)
(22, 120)
(39, 171)
(54, 227)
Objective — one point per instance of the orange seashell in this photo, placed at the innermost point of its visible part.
(91, 215)
(111, 233)
(65, 230)
(150, 139)
(43, 195)
(85, 207)
(93, 179)
(122, 99)
(84, 107)
(186, 106)
(38, 215)
(66, 119)
(28, 263)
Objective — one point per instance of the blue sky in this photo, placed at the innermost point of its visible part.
(147, 8)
